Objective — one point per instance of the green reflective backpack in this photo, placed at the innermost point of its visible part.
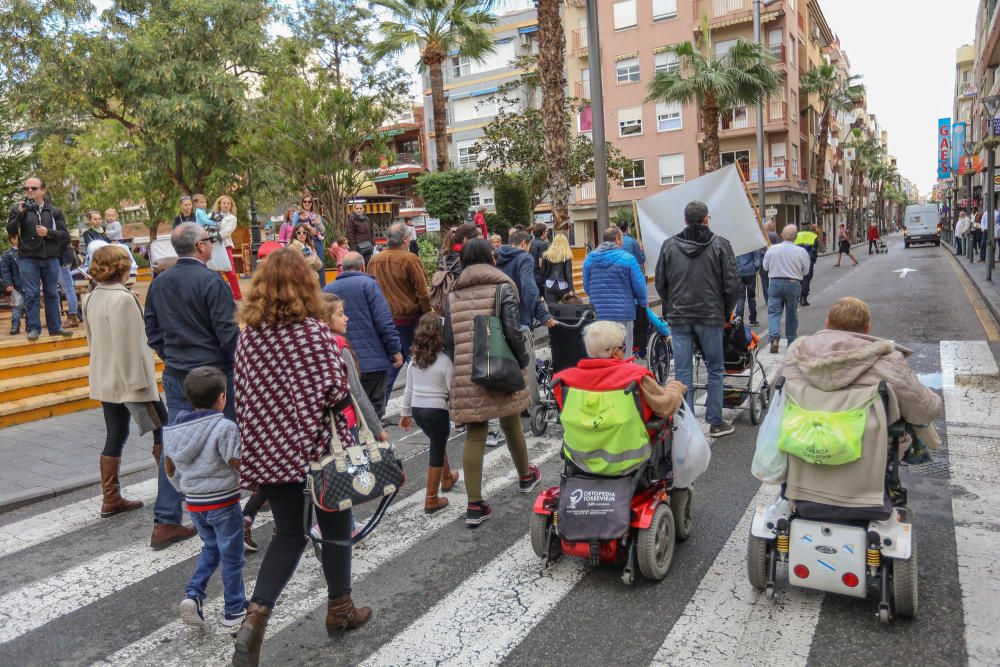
(823, 438)
(603, 432)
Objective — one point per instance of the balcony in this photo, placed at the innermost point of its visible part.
(407, 159)
(581, 89)
(775, 171)
(730, 12)
(586, 192)
(579, 46)
(777, 51)
(738, 121)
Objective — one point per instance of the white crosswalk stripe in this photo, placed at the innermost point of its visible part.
(404, 526)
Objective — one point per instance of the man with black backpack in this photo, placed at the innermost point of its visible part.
(42, 233)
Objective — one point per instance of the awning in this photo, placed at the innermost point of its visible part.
(392, 177)
(473, 93)
(527, 30)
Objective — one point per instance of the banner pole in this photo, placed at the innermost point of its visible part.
(753, 204)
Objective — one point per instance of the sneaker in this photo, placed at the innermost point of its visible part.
(62, 332)
(477, 512)
(33, 335)
(14, 331)
(248, 543)
(528, 483)
(754, 324)
(233, 620)
(719, 430)
(495, 438)
(774, 345)
(191, 612)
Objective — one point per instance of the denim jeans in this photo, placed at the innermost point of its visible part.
(748, 295)
(783, 294)
(710, 337)
(763, 284)
(167, 508)
(221, 533)
(44, 272)
(16, 312)
(66, 282)
(406, 332)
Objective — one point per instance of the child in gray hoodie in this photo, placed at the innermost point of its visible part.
(203, 452)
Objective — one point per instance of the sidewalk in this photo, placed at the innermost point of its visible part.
(989, 290)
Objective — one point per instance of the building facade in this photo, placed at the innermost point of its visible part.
(398, 176)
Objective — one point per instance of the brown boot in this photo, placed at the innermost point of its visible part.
(157, 452)
(113, 502)
(250, 636)
(433, 503)
(72, 322)
(341, 614)
(448, 478)
(165, 534)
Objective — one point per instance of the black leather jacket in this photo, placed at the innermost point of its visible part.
(23, 223)
(697, 277)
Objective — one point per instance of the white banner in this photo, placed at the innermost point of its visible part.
(662, 215)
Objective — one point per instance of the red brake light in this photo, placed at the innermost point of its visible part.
(801, 571)
(850, 579)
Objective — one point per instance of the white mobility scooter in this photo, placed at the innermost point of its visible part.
(838, 549)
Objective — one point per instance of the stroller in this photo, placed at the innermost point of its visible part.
(881, 248)
(566, 343)
(745, 385)
(840, 549)
(615, 502)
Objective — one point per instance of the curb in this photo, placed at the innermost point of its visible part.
(992, 301)
(34, 494)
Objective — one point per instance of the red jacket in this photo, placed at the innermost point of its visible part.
(873, 233)
(480, 221)
(603, 375)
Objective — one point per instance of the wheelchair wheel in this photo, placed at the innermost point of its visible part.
(904, 584)
(757, 408)
(658, 356)
(656, 544)
(538, 423)
(757, 548)
(539, 528)
(682, 506)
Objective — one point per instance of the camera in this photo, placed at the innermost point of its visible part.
(29, 205)
(212, 230)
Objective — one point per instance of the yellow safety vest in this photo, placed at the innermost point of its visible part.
(805, 238)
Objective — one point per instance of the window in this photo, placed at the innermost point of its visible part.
(586, 120)
(740, 158)
(628, 70)
(668, 116)
(460, 66)
(467, 155)
(664, 9)
(666, 61)
(474, 199)
(487, 200)
(472, 108)
(672, 169)
(630, 122)
(722, 47)
(636, 176)
(624, 13)
(778, 154)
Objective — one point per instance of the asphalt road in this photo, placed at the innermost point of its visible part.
(77, 590)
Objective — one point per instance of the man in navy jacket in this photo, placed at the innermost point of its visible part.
(190, 322)
(515, 261)
(370, 329)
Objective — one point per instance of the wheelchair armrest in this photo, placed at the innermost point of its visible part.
(897, 430)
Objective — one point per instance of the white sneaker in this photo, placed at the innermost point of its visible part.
(495, 438)
(233, 620)
(191, 612)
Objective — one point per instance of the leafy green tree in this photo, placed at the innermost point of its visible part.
(438, 29)
(15, 154)
(337, 33)
(513, 142)
(446, 194)
(741, 77)
(836, 93)
(513, 202)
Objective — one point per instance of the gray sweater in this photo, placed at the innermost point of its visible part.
(427, 387)
(200, 444)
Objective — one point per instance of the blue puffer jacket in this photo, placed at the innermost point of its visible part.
(614, 282)
(370, 329)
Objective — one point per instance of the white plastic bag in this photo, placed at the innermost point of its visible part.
(220, 259)
(689, 450)
(770, 465)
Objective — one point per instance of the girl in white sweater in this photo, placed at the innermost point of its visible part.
(425, 401)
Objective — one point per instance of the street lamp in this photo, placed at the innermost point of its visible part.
(254, 222)
(992, 105)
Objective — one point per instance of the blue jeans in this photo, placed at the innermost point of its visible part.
(167, 508)
(748, 295)
(406, 332)
(44, 273)
(783, 294)
(66, 282)
(221, 533)
(710, 337)
(16, 313)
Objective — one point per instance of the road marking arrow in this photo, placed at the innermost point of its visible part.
(902, 272)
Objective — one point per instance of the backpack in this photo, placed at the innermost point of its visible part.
(442, 283)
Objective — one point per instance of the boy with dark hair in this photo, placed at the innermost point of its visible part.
(202, 460)
(11, 277)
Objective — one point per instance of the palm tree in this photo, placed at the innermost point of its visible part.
(836, 94)
(741, 77)
(551, 67)
(438, 29)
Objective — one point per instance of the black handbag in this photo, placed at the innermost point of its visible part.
(349, 476)
(494, 365)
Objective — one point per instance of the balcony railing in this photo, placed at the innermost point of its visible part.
(777, 110)
(582, 89)
(774, 171)
(408, 158)
(587, 191)
(723, 9)
(745, 118)
(580, 43)
(777, 51)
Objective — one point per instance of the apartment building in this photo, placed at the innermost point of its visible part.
(471, 89)
(398, 176)
(963, 193)
(665, 141)
(987, 83)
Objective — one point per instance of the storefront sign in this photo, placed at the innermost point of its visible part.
(434, 224)
(970, 164)
(944, 147)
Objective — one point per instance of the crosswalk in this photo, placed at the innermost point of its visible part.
(493, 603)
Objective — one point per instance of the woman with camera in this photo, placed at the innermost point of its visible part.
(225, 208)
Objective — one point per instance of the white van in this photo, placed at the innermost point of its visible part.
(920, 225)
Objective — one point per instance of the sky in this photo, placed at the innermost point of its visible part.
(905, 49)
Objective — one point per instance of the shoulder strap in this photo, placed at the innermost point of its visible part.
(498, 297)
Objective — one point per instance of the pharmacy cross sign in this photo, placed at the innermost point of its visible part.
(779, 172)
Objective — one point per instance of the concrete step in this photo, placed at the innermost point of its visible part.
(44, 362)
(19, 346)
(34, 382)
(51, 404)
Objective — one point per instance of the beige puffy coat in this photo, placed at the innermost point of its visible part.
(835, 371)
(475, 294)
(121, 363)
